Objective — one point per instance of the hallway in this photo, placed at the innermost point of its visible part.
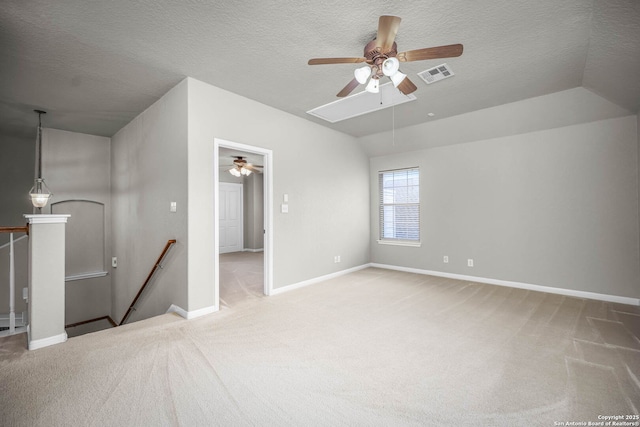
(241, 277)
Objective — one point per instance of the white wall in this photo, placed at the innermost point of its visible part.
(76, 166)
(149, 171)
(556, 208)
(324, 172)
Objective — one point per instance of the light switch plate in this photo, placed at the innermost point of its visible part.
(285, 208)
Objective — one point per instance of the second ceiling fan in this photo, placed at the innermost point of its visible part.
(382, 58)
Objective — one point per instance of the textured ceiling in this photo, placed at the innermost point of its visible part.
(95, 65)
(228, 155)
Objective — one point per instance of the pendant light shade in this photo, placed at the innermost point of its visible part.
(362, 74)
(235, 172)
(390, 66)
(373, 85)
(397, 78)
(39, 194)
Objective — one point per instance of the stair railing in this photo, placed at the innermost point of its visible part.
(12, 274)
(155, 268)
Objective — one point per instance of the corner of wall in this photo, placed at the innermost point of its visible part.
(638, 176)
(149, 171)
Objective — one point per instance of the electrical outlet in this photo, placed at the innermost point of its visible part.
(114, 262)
(445, 259)
(469, 262)
(336, 259)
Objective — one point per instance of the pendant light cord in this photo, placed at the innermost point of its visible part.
(39, 171)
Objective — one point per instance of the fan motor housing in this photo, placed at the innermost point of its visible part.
(375, 58)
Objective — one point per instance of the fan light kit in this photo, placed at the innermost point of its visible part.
(383, 59)
(374, 85)
(362, 74)
(390, 66)
(242, 168)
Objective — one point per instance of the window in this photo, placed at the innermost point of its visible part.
(400, 206)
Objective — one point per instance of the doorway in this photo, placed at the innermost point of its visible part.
(242, 260)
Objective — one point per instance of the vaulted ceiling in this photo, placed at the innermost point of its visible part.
(94, 66)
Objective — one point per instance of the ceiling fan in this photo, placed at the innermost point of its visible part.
(242, 168)
(382, 58)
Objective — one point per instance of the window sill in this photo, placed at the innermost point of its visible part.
(409, 243)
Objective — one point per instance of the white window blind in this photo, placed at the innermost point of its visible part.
(400, 204)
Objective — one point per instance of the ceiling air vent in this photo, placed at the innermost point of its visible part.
(435, 74)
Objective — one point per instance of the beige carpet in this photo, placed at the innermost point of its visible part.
(374, 347)
(241, 277)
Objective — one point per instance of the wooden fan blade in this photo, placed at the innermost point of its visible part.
(387, 30)
(348, 88)
(407, 86)
(253, 168)
(449, 51)
(322, 61)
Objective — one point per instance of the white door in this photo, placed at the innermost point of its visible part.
(230, 217)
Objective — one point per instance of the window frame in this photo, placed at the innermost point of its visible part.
(381, 205)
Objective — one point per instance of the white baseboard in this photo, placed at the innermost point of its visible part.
(519, 285)
(45, 342)
(253, 250)
(191, 314)
(317, 279)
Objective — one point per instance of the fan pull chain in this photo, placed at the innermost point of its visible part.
(393, 124)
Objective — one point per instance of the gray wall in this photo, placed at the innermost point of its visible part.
(556, 208)
(565, 108)
(17, 162)
(21, 256)
(17, 166)
(77, 170)
(148, 172)
(253, 212)
(329, 200)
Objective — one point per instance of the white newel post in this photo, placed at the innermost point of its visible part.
(46, 280)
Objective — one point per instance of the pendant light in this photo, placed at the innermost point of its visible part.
(39, 193)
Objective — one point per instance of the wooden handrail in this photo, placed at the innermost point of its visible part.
(24, 229)
(146, 282)
(84, 322)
